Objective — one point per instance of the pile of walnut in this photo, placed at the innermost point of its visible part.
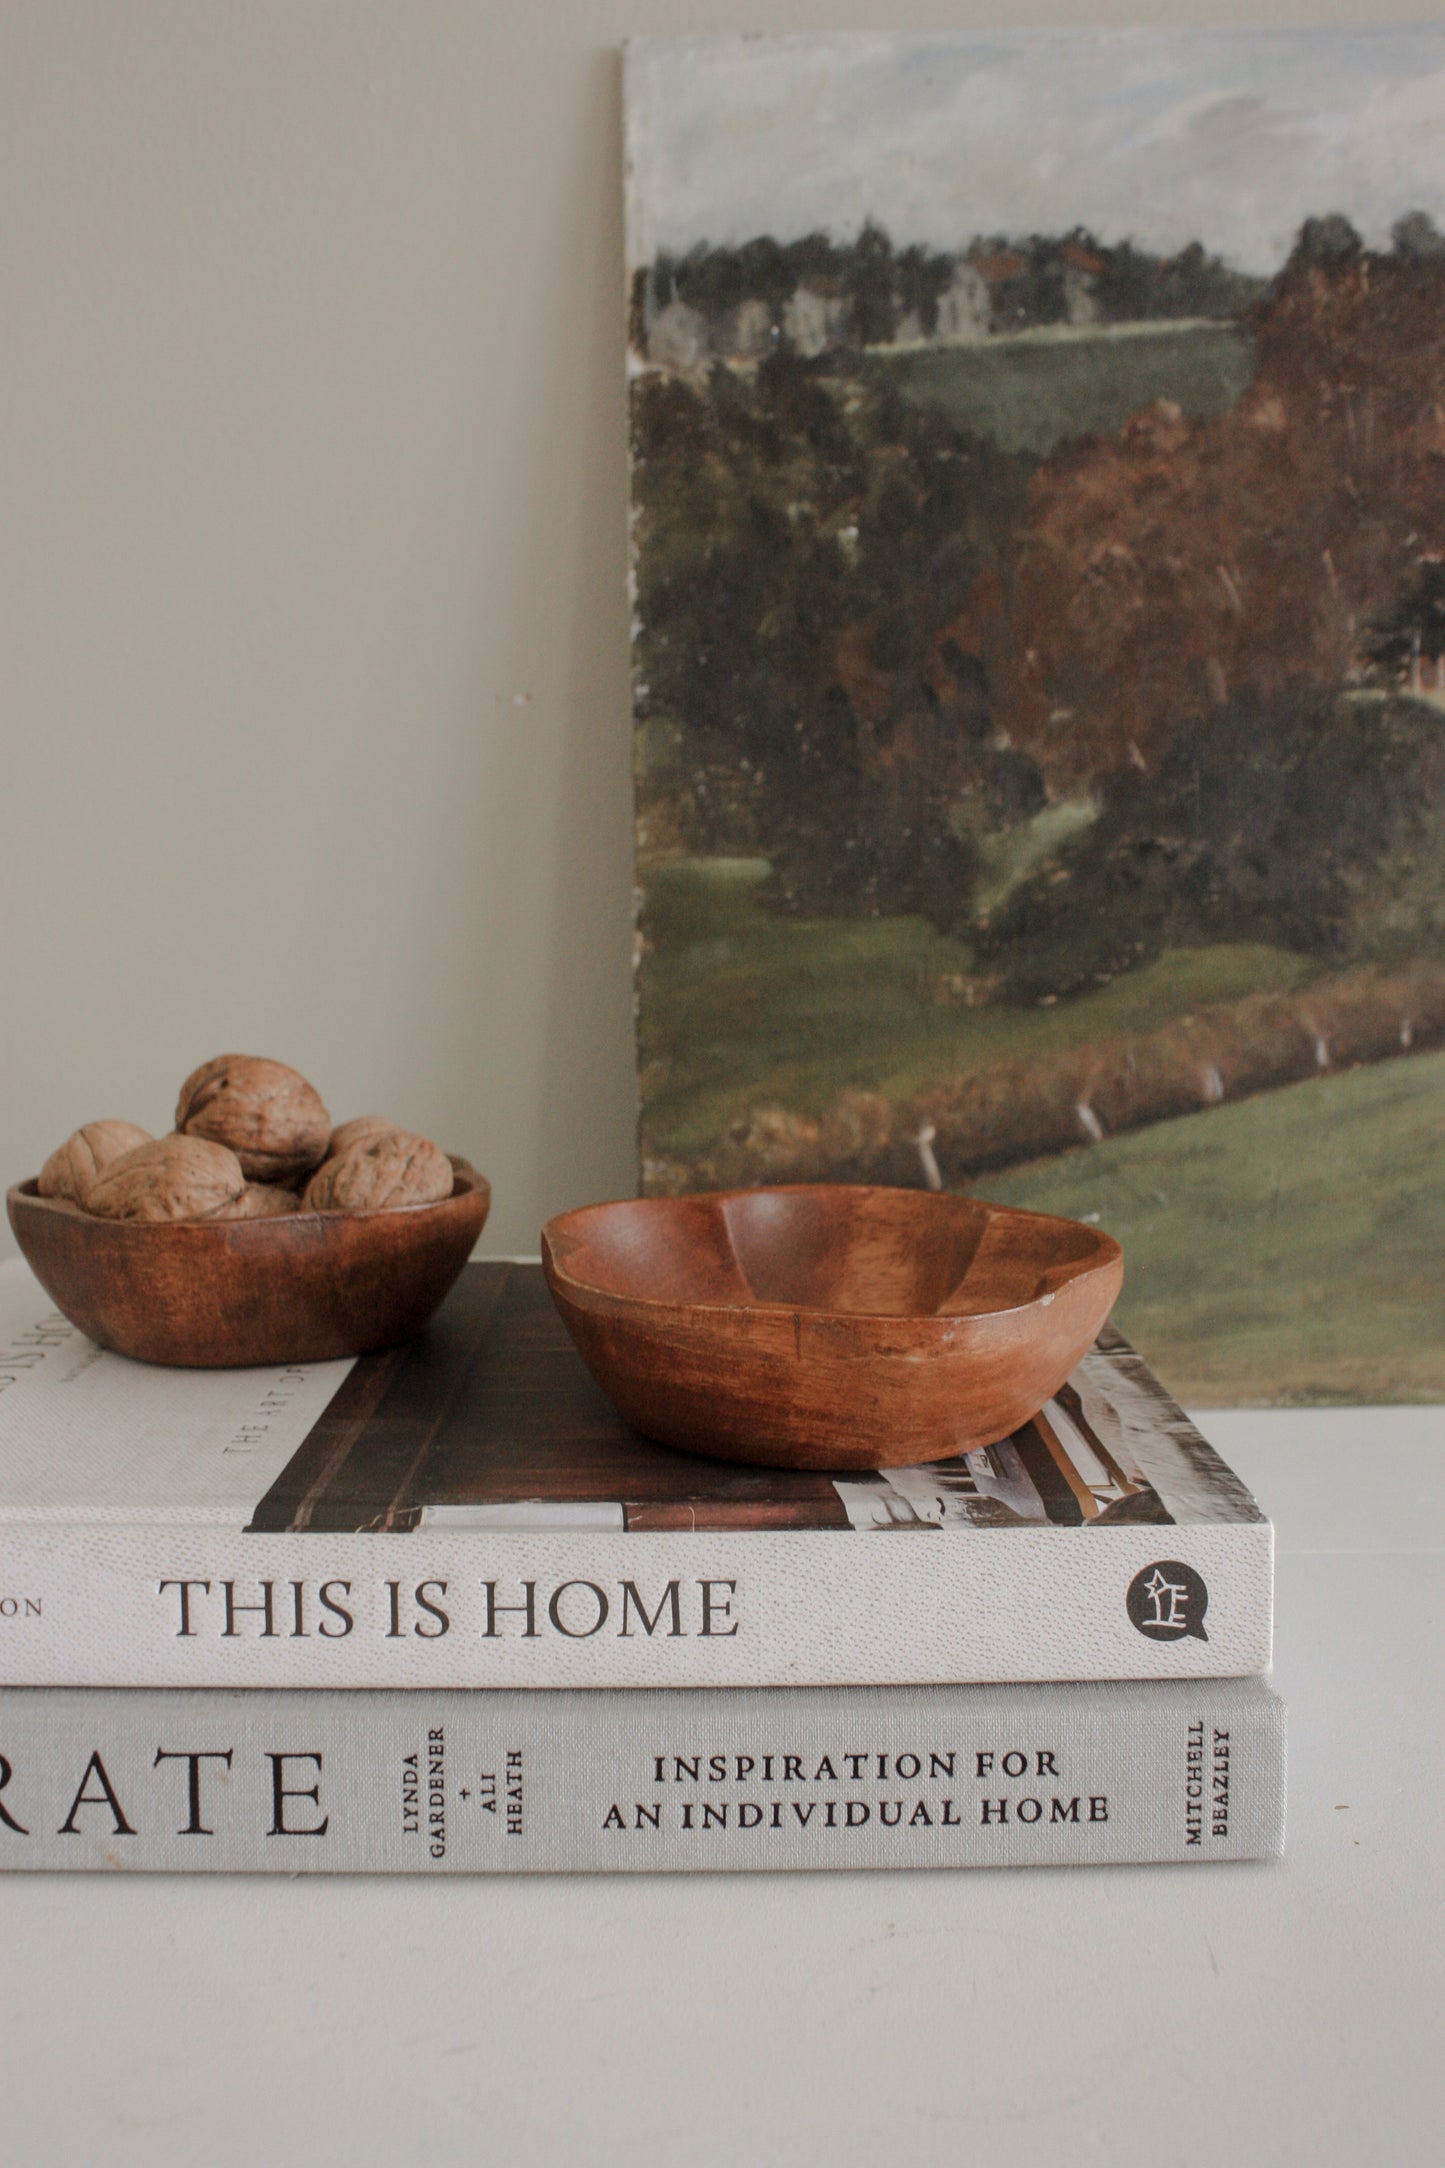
(252, 1140)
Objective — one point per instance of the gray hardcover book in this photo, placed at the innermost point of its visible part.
(638, 1781)
(469, 1510)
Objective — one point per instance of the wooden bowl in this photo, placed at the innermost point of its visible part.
(828, 1327)
(215, 1294)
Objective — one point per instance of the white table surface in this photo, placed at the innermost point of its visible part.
(1163, 2016)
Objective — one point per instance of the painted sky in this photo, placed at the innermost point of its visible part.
(1227, 137)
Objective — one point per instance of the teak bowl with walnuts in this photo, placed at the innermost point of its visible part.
(827, 1326)
(219, 1293)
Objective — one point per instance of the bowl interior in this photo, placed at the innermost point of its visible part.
(848, 1250)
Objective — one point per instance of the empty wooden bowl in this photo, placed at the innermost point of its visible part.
(215, 1294)
(828, 1327)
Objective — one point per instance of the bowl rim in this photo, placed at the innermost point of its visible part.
(1110, 1253)
(468, 1183)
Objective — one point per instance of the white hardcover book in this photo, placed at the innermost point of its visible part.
(464, 1783)
(470, 1511)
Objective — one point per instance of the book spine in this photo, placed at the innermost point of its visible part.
(161, 1605)
(460, 1783)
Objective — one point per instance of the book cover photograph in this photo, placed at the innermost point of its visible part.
(470, 1509)
(1039, 655)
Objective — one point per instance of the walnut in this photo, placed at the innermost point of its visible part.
(391, 1170)
(174, 1178)
(74, 1165)
(361, 1129)
(260, 1200)
(267, 1114)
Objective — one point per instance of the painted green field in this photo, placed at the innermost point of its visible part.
(1037, 389)
(1287, 1249)
(740, 1005)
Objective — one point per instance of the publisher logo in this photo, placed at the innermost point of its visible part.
(1168, 1600)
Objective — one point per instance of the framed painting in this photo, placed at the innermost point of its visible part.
(1038, 483)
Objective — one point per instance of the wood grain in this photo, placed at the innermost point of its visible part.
(218, 1294)
(508, 1415)
(828, 1326)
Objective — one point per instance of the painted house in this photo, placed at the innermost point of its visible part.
(965, 308)
(677, 337)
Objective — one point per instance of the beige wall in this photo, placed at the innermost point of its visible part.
(314, 649)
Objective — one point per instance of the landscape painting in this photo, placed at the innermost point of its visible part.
(1038, 489)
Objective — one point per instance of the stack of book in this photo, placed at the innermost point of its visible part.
(245, 1617)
